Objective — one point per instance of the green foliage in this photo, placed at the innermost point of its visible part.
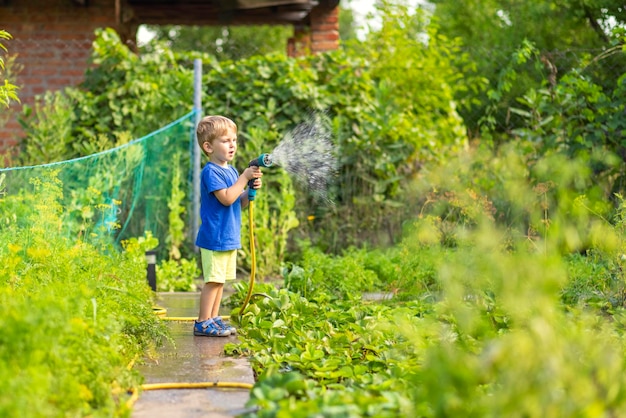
(507, 80)
(492, 30)
(426, 61)
(222, 42)
(595, 280)
(75, 315)
(176, 204)
(7, 89)
(586, 118)
(347, 25)
(500, 324)
(578, 118)
(177, 275)
(50, 131)
(344, 277)
(274, 216)
(388, 130)
(314, 354)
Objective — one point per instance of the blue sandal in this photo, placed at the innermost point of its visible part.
(221, 324)
(209, 328)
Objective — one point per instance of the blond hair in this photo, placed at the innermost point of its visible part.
(211, 127)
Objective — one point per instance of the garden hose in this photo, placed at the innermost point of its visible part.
(197, 385)
(264, 160)
(162, 312)
(159, 311)
(252, 257)
(134, 393)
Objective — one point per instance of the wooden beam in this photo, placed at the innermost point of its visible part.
(208, 14)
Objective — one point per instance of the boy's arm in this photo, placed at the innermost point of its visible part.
(228, 196)
(244, 199)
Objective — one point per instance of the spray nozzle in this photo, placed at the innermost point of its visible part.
(264, 160)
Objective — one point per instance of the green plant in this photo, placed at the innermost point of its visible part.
(7, 89)
(274, 212)
(177, 275)
(498, 323)
(318, 273)
(176, 205)
(90, 304)
(49, 130)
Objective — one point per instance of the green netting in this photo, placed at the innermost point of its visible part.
(115, 194)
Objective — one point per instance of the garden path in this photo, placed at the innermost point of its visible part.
(192, 359)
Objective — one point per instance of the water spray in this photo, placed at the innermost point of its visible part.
(306, 154)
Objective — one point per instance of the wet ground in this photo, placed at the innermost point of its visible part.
(192, 359)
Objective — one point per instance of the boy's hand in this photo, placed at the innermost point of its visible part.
(257, 183)
(252, 173)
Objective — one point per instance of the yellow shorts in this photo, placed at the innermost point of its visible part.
(218, 266)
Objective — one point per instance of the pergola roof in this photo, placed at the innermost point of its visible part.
(224, 12)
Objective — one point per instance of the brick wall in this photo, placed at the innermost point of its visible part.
(321, 34)
(52, 41)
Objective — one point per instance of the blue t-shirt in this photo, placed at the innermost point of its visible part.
(221, 225)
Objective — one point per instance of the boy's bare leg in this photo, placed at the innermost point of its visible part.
(218, 300)
(210, 294)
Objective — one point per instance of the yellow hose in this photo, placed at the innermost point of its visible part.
(185, 385)
(186, 318)
(198, 385)
(162, 312)
(252, 257)
(159, 311)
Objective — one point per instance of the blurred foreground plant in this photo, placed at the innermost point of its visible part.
(498, 324)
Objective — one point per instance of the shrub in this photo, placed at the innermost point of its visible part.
(75, 314)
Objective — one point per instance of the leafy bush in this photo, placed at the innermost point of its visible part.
(7, 89)
(177, 276)
(75, 314)
(595, 280)
(344, 277)
(267, 97)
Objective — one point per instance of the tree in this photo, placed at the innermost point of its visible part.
(224, 42)
(347, 30)
(565, 32)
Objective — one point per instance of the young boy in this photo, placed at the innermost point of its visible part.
(222, 196)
